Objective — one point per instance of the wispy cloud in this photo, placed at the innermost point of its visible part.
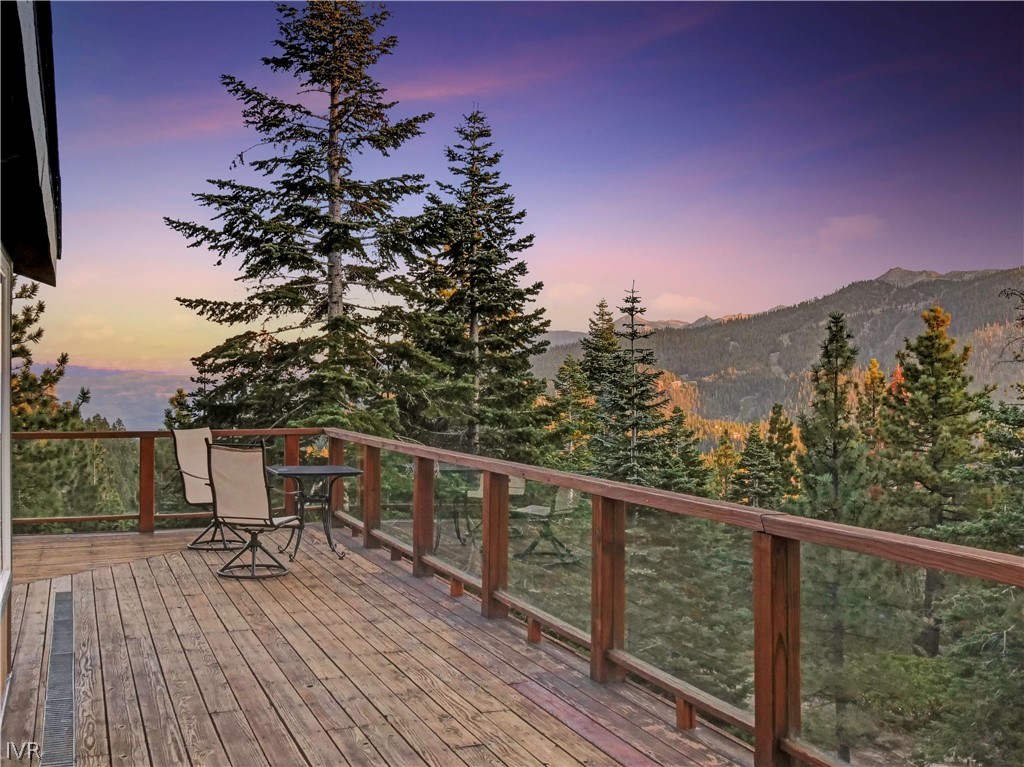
(550, 58)
(678, 306)
(567, 291)
(105, 122)
(839, 230)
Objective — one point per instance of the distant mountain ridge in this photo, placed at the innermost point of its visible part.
(741, 364)
(136, 397)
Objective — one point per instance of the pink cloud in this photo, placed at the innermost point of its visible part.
(107, 122)
(551, 58)
(839, 230)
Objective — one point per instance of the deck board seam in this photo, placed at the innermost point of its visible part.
(389, 587)
(273, 596)
(259, 678)
(440, 599)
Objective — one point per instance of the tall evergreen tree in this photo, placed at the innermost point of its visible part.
(53, 478)
(630, 403)
(780, 439)
(980, 720)
(756, 482)
(599, 347)
(931, 426)
(490, 325)
(313, 240)
(683, 469)
(575, 418)
(838, 593)
(870, 401)
(723, 460)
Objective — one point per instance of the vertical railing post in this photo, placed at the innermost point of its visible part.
(291, 458)
(147, 484)
(336, 457)
(371, 479)
(494, 549)
(422, 516)
(607, 587)
(776, 647)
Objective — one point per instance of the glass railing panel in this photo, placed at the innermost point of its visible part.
(689, 601)
(351, 496)
(73, 478)
(549, 550)
(905, 666)
(396, 495)
(170, 494)
(458, 516)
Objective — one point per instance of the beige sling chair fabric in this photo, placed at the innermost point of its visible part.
(190, 454)
(241, 499)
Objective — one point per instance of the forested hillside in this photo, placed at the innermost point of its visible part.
(741, 366)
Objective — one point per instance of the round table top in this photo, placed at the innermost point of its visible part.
(314, 471)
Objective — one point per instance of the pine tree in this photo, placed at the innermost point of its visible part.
(630, 406)
(34, 402)
(599, 347)
(489, 324)
(839, 587)
(870, 400)
(723, 460)
(756, 481)
(53, 478)
(930, 425)
(683, 469)
(781, 441)
(316, 245)
(980, 720)
(575, 418)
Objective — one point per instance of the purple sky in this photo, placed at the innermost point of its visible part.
(728, 158)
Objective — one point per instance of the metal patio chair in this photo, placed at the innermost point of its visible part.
(565, 503)
(516, 486)
(190, 455)
(241, 498)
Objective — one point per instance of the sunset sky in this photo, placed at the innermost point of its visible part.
(728, 158)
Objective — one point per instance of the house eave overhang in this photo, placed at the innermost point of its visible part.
(30, 215)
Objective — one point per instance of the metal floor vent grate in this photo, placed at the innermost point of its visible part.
(58, 746)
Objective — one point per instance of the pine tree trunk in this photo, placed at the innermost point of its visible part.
(335, 281)
(838, 650)
(928, 639)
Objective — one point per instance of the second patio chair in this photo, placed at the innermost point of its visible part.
(241, 498)
(565, 503)
(190, 454)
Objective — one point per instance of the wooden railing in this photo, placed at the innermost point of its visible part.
(777, 538)
(146, 516)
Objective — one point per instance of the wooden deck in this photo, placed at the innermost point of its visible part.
(46, 556)
(340, 662)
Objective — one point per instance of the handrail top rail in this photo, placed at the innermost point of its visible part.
(995, 566)
(165, 434)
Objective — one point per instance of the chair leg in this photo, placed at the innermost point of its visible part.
(232, 570)
(208, 539)
(547, 534)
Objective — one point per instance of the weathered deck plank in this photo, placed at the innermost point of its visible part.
(48, 556)
(348, 661)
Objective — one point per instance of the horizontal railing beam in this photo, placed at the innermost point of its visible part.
(162, 434)
(709, 704)
(962, 560)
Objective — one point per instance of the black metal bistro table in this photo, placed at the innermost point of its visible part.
(317, 474)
